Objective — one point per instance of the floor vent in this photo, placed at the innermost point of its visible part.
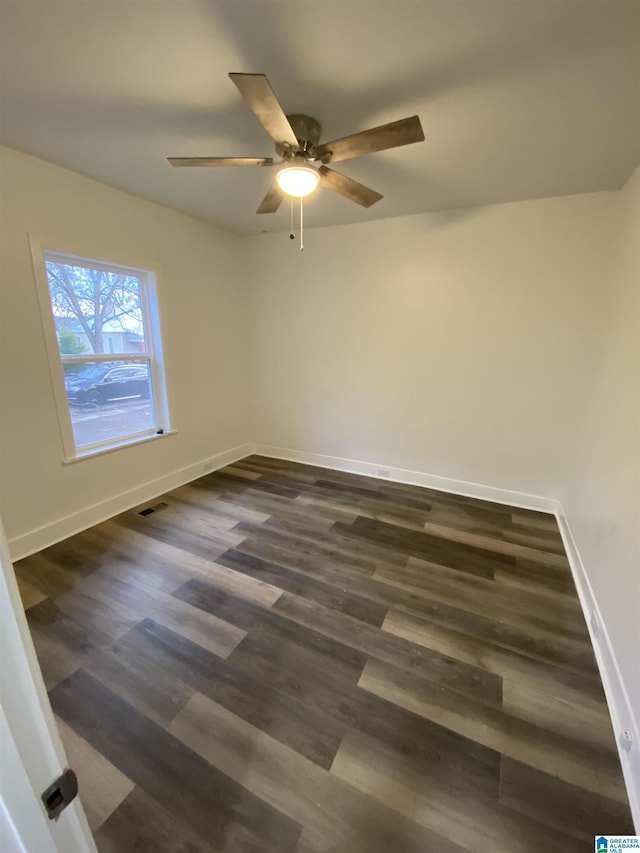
(156, 508)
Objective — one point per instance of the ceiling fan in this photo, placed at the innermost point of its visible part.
(304, 162)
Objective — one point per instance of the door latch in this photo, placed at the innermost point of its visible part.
(60, 793)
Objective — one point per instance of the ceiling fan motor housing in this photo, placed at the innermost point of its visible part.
(307, 131)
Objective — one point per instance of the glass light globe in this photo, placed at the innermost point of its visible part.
(297, 181)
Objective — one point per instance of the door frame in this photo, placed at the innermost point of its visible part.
(32, 755)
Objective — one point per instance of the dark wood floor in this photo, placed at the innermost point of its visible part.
(286, 658)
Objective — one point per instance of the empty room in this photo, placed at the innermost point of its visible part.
(320, 426)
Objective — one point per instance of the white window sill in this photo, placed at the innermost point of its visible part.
(118, 445)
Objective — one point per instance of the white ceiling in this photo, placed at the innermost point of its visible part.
(519, 99)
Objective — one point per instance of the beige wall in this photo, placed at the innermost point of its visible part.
(602, 497)
(202, 308)
(457, 344)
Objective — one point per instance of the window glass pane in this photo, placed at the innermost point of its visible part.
(95, 310)
(109, 400)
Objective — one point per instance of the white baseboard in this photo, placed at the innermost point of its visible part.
(622, 717)
(413, 478)
(61, 528)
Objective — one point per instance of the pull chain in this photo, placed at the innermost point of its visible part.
(291, 233)
(301, 227)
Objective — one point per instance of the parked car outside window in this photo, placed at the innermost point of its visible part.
(100, 383)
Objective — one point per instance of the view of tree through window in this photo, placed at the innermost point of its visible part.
(88, 303)
(102, 330)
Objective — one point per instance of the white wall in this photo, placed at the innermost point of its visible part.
(457, 344)
(602, 496)
(202, 304)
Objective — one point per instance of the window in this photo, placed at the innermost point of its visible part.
(105, 350)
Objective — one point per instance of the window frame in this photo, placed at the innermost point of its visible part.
(148, 276)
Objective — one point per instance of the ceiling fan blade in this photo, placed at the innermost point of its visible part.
(259, 97)
(220, 161)
(272, 201)
(402, 132)
(348, 187)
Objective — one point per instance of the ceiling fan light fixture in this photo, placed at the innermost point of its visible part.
(297, 181)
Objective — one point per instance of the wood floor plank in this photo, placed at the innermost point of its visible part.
(260, 501)
(181, 780)
(541, 521)
(238, 471)
(280, 714)
(29, 594)
(483, 596)
(547, 703)
(270, 626)
(352, 549)
(498, 525)
(259, 462)
(45, 575)
(464, 557)
(481, 826)
(296, 787)
(261, 485)
(57, 660)
(228, 512)
(167, 568)
(469, 637)
(356, 501)
(436, 748)
(469, 517)
(203, 628)
(136, 554)
(90, 606)
(568, 759)
(60, 642)
(141, 825)
(295, 520)
(203, 544)
(507, 663)
(448, 672)
(358, 555)
(536, 538)
(142, 683)
(561, 806)
(528, 576)
(323, 567)
(337, 570)
(334, 570)
(548, 552)
(102, 786)
(329, 596)
(183, 515)
(73, 559)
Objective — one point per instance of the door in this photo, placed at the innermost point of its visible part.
(31, 753)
